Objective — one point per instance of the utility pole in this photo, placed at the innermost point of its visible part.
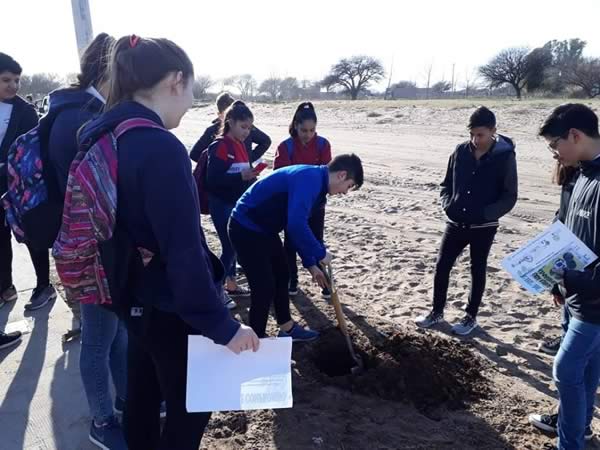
(389, 80)
(82, 18)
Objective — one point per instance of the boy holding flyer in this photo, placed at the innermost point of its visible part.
(571, 132)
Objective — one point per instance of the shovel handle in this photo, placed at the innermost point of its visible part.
(335, 300)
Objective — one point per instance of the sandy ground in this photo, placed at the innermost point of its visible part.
(422, 390)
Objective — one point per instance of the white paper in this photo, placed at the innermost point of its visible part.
(24, 326)
(220, 380)
(557, 247)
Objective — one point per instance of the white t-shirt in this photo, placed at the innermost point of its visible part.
(5, 112)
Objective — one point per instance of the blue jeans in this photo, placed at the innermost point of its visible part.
(576, 373)
(103, 350)
(220, 212)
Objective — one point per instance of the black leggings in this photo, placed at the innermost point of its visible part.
(454, 241)
(39, 258)
(157, 370)
(265, 265)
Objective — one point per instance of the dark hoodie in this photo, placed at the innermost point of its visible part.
(69, 109)
(583, 219)
(158, 209)
(478, 192)
(256, 136)
(22, 119)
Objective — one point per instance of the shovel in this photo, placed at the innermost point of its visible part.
(339, 314)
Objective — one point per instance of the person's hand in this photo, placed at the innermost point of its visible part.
(318, 276)
(249, 174)
(244, 339)
(559, 300)
(327, 259)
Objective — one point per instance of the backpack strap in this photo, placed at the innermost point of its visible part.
(135, 122)
(289, 143)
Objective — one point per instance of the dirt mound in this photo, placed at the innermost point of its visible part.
(223, 426)
(426, 370)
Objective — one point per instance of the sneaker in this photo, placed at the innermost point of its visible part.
(41, 297)
(325, 294)
(119, 408)
(465, 326)
(108, 436)
(228, 301)
(237, 292)
(9, 294)
(431, 319)
(293, 287)
(549, 423)
(299, 334)
(9, 339)
(544, 422)
(550, 346)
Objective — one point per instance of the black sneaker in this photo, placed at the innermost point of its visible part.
(40, 297)
(550, 346)
(544, 422)
(465, 326)
(429, 320)
(293, 287)
(9, 339)
(326, 294)
(549, 423)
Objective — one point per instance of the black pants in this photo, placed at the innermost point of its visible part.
(317, 226)
(454, 241)
(39, 258)
(264, 262)
(157, 370)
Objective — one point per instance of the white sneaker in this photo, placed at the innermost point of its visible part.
(429, 320)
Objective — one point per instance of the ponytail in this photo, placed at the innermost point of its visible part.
(305, 111)
(236, 112)
(141, 63)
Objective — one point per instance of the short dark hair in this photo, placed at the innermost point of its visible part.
(482, 117)
(224, 101)
(7, 64)
(350, 163)
(568, 116)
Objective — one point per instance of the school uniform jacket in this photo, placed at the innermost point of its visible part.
(312, 153)
(285, 200)
(223, 170)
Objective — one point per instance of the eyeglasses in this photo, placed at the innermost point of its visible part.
(553, 144)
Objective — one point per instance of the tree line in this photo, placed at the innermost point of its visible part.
(558, 68)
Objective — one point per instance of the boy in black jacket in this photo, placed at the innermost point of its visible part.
(17, 117)
(480, 187)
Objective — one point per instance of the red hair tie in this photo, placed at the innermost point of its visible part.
(133, 40)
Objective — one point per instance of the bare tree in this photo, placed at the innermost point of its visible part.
(272, 87)
(246, 84)
(202, 83)
(355, 74)
(586, 76)
(289, 88)
(40, 84)
(510, 66)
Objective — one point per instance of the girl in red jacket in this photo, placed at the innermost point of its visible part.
(303, 146)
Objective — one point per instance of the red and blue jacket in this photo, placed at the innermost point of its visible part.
(291, 152)
(227, 157)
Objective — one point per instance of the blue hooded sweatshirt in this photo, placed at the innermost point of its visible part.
(158, 208)
(69, 109)
(286, 199)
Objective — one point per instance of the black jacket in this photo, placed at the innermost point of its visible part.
(262, 141)
(583, 219)
(22, 119)
(476, 192)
